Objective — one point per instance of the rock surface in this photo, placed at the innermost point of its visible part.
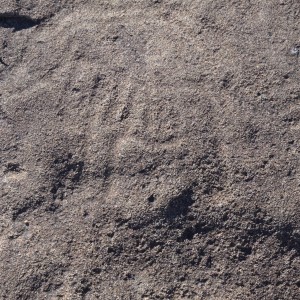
(149, 149)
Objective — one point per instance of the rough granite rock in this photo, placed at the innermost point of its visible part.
(149, 149)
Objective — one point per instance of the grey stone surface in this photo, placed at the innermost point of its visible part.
(149, 149)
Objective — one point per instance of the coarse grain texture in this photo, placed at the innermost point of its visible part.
(149, 149)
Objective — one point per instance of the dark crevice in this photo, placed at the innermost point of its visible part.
(13, 167)
(151, 198)
(30, 204)
(3, 62)
(199, 228)
(96, 270)
(289, 237)
(18, 22)
(179, 206)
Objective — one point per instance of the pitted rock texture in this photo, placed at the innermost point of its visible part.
(149, 149)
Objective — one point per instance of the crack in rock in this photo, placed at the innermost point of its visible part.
(18, 22)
